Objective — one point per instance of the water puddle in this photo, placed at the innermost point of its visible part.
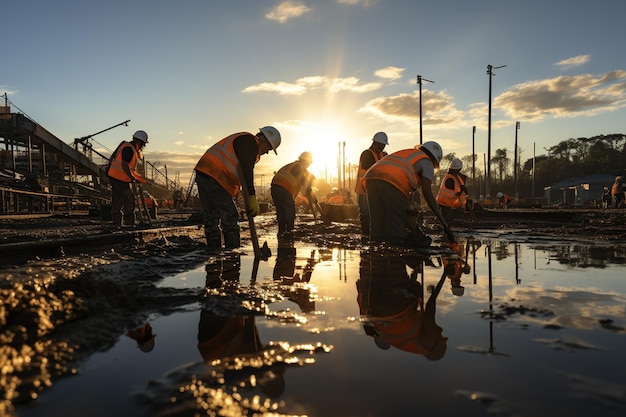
(498, 329)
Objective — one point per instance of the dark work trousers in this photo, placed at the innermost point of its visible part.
(387, 206)
(364, 214)
(122, 203)
(220, 214)
(285, 208)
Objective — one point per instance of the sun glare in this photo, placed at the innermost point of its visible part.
(326, 141)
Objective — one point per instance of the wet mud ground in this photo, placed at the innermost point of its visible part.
(70, 286)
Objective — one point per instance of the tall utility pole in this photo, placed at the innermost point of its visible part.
(490, 69)
(473, 164)
(515, 161)
(419, 82)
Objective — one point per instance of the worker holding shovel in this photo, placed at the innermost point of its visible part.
(218, 175)
(286, 184)
(122, 173)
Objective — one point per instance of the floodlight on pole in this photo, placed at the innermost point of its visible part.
(473, 164)
(490, 69)
(419, 82)
(515, 170)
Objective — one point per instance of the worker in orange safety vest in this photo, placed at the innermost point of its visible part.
(218, 181)
(368, 158)
(452, 193)
(122, 172)
(290, 180)
(388, 184)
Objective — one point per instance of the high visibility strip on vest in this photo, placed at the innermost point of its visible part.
(221, 163)
(447, 197)
(397, 169)
(287, 180)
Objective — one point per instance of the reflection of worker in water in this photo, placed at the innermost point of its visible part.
(454, 267)
(391, 303)
(223, 335)
(223, 270)
(143, 336)
(295, 286)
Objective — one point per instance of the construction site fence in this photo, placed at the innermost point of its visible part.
(16, 201)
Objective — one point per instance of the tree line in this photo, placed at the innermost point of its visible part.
(571, 158)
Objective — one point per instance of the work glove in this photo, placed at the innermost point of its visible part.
(449, 234)
(253, 205)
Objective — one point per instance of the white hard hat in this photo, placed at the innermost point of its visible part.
(306, 157)
(499, 195)
(272, 135)
(618, 178)
(456, 164)
(141, 135)
(381, 137)
(434, 150)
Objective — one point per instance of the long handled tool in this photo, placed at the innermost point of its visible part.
(323, 214)
(263, 252)
(143, 209)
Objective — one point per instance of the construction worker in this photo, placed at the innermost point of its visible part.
(617, 191)
(151, 204)
(388, 184)
(452, 193)
(503, 200)
(290, 180)
(122, 172)
(218, 180)
(368, 158)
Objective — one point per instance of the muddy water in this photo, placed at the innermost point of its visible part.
(496, 329)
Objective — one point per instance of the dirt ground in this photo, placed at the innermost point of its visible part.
(70, 285)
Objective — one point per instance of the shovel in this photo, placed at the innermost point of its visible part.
(263, 252)
(325, 216)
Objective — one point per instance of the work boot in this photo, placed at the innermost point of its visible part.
(232, 240)
(214, 243)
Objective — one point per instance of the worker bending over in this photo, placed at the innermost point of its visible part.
(122, 172)
(218, 180)
(368, 158)
(388, 184)
(286, 184)
(452, 193)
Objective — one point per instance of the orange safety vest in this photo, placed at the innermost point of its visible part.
(221, 163)
(361, 173)
(616, 188)
(447, 197)
(397, 169)
(288, 181)
(116, 169)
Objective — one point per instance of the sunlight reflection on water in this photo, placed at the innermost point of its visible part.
(499, 328)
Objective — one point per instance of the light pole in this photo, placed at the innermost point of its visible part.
(419, 82)
(473, 164)
(515, 161)
(490, 69)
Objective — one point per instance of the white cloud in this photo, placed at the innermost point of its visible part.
(281, 88)
(287, 10)
(365, 3)
(405, 107)
(304, 84)
(565, 96)
(391, 73)
(572, 62)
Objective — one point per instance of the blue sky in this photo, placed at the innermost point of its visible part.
(191, 72)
